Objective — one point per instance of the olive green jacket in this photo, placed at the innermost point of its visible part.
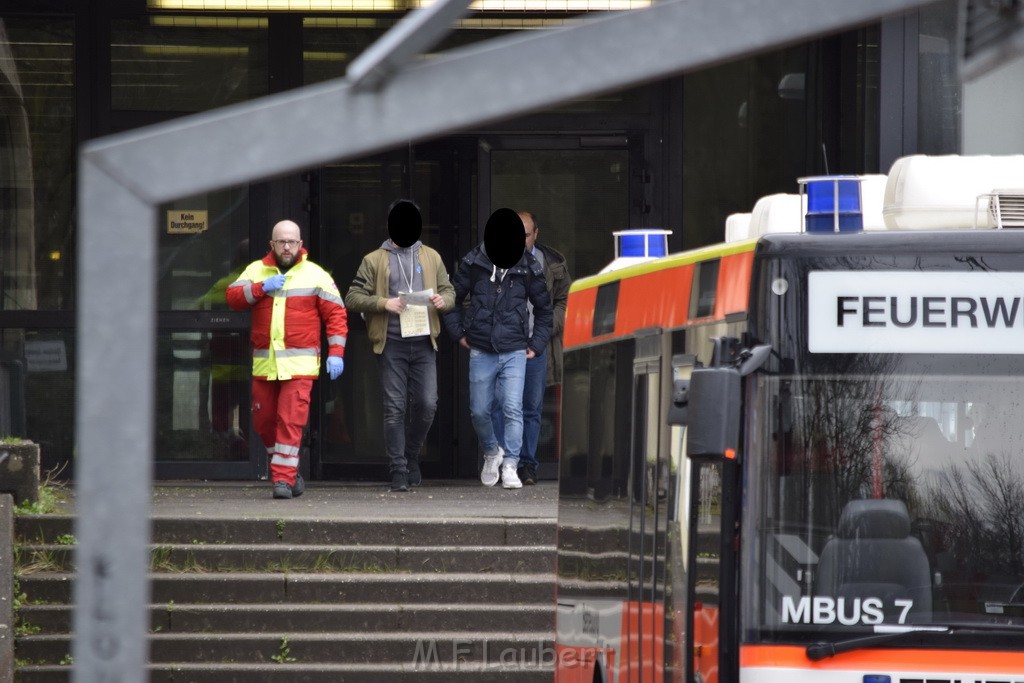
(369, 292)
(556, 273)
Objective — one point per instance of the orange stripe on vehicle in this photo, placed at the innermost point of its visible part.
(579, 324)
(734, 284)
(658, 299)
(657, 293)
(705, 642)
(715, 251)
(788, 656)
(642, 660)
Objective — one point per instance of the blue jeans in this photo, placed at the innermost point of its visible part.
(533, 403)
(497, 378)
(408, 378)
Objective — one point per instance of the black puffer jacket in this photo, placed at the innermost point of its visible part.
(496, 318)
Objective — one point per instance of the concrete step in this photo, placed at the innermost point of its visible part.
(440, 672)
(305, 588)
(228, 618)
(273, 646)
(280, 557)
(256, 598)
(427, 532)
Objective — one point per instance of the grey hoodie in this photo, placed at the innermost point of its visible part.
(405, 274)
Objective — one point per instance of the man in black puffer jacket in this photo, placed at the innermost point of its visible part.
(499, 277)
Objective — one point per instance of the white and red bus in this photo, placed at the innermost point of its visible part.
(799, 457)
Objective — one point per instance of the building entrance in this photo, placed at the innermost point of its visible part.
(580, 191)
(350, 212)
(578, 188)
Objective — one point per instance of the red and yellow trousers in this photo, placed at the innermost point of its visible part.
(280, 409)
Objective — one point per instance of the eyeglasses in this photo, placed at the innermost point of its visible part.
(286, 243)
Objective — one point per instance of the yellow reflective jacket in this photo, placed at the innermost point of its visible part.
(286, 322)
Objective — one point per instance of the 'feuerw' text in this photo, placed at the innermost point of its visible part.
(915, 312)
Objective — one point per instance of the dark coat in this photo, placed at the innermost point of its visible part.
(496, 319)
(556, 273)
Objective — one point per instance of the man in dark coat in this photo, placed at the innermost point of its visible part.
(500, 278)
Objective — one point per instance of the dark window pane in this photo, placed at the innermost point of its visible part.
(705, 285)
(203, 396)
(579, 198)
(37, 392)
(331, 43)
(354, 201)
(605, 308)
(204, 246)
(187, 64)
(37, 164)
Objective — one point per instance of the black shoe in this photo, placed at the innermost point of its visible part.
(415, 478)
(282, 490)
(399, 482)
(300, 486)
(529, 475)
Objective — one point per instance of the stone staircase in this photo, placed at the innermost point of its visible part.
(253, 600)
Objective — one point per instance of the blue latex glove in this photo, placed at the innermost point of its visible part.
(272, 283)
(335, 366)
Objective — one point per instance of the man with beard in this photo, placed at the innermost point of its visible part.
(290, 297)
(400, 289)
(500, 279)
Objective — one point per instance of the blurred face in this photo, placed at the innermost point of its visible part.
(404, 224)
(286, 243)
(530, 231)
(504, 238)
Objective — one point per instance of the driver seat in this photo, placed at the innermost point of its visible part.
(873, 555)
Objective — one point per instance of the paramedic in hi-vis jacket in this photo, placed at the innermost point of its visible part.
(290, 296)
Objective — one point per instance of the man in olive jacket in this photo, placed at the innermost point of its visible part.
(404, 334)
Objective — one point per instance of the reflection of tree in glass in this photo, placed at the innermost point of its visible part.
(980, 511)
(844, 430)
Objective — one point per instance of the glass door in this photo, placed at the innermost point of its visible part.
(203, 357)
(350, 207)
(579, 189)
(445, 186)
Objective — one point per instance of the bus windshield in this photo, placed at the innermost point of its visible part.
(885, 490)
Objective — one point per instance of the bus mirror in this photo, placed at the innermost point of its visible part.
(713, 413)
(680, 396)
(754, 358)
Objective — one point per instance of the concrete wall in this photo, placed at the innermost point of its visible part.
(6, 588)
(993, 114)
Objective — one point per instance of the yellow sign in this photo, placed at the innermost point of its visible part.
(187, 222)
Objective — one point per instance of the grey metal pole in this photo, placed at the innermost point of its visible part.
(114, 429)
(416, 33)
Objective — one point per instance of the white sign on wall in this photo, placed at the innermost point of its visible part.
(915, 312)
(49, 355)
(187, 222)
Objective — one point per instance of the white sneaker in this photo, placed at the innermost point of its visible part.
(509, 477)
(489, 474)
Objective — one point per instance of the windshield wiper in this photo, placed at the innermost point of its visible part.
(887, 632)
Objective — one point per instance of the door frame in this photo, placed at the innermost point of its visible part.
(461, 203)
(457, 157)
(451, 209)
(638, 185)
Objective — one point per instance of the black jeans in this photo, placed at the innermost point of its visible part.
(408, 378)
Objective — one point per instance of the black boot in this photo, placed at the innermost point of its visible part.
(399, 482)
(414, 473)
